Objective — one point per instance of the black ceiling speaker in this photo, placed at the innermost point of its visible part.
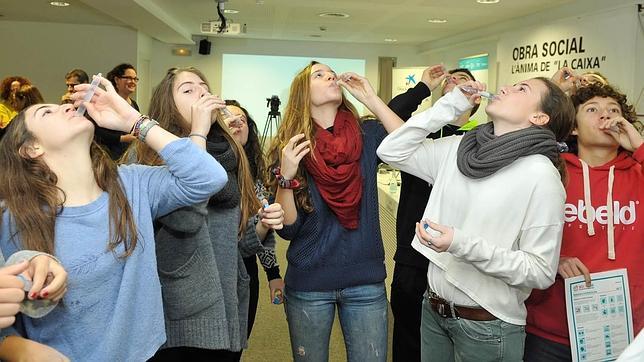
(204, 46)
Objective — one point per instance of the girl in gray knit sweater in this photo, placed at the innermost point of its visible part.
(200, 248)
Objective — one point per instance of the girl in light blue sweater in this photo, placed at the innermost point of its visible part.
(64, 196)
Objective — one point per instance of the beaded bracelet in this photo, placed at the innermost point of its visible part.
(284, 183)
(137, 125)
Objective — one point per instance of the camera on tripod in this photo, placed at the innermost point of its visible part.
(272, 119)
(274, 103)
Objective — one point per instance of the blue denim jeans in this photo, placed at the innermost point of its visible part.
(458, 339)
(362, 312)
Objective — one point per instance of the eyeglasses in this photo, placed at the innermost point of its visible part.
(133, 79)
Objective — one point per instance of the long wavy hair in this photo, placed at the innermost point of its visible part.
(298, 119)
(32, 198)
(164, 110)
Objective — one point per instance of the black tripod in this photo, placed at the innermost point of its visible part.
(273, 119)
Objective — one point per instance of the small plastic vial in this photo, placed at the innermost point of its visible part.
(393, 185)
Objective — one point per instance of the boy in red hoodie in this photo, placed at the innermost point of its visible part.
(607, 178)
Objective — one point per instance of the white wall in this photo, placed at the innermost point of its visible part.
(143, 65)
(610, 28)
(45, 52)
(449, 55)
(639, 68)
(211, 64)
(592, 47)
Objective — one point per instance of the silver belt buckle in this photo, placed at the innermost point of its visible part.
(441, 310)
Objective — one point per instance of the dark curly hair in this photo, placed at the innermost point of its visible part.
(5, 88)
(118, 71)
(586, 93)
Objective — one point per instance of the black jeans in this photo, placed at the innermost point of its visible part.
(194, 354)
(407, 289)
(539, 349)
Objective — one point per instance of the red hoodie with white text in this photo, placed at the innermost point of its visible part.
(614, 240)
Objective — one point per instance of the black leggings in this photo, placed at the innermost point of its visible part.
(251, 269)
(539, 349)
(194, 354)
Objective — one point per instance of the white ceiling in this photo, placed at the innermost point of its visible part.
(370, 21)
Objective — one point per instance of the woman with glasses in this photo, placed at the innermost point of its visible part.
(73, 78)
(123, 78)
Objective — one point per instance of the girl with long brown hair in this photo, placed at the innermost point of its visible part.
(64, 196)
(200, 248)
(323, 164)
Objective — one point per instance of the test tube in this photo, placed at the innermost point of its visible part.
(483, 94)
(227, 114)
(90, 93)
(566, 75)
(278, 297)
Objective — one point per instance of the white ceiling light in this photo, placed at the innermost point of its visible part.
(391, 40)
(231, 11)
(487, 1)
(58, 3)
(331, 14)
(437, 21)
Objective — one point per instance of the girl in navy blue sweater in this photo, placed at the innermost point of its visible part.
(324, 163)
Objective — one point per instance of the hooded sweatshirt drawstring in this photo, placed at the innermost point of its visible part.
(609, 207)
(590, 212)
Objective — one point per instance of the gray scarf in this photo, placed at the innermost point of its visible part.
(219, 148)
(481, 153)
